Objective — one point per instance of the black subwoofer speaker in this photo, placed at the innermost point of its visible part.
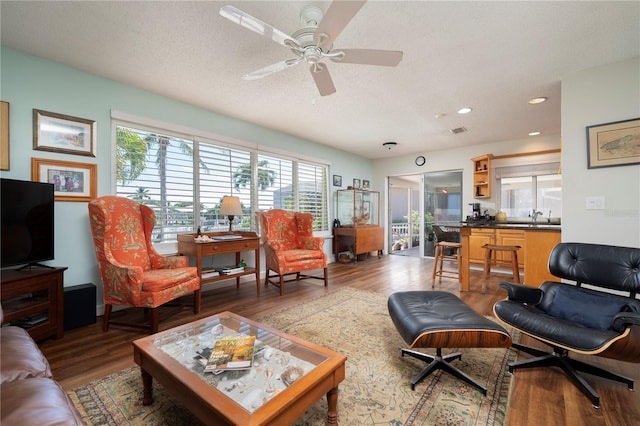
(79, 306)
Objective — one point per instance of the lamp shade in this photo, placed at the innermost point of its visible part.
(230, 206)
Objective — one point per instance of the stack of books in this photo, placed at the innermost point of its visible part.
(227, 237)
(228, 270)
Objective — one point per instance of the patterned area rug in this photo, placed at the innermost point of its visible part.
(376, 390)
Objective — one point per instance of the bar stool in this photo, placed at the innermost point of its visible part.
(490, 250)
(441, 256)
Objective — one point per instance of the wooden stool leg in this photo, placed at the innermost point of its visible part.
(442, 252)
(516, 270)
(487, 269)
(435, 265)
(459, 260)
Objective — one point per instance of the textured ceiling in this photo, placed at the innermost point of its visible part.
(491, 56)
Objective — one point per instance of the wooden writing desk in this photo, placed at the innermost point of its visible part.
(187, 246)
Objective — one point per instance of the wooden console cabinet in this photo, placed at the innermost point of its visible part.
(33, 298)
(358, 239)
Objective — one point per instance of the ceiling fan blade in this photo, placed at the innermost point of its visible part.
(339, 14)
(387, 58)
(323, 80)
(254, 24)
(271, 69)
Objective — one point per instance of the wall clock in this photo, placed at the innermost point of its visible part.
(420, 160)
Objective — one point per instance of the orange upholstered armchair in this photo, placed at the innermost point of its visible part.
(290, 247)
(132, 272)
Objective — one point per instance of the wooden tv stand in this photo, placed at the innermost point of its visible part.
(33, 298)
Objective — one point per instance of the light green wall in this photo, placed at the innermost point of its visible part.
(29, 82)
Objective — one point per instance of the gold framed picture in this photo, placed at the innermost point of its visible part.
(613, 144)
(4, 135)
(63, 133)
(71, 181)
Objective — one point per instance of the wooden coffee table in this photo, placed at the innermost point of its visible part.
(261, 395)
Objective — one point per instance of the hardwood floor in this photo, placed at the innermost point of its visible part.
(538, 396)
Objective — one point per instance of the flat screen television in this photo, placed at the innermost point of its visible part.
(26, 224)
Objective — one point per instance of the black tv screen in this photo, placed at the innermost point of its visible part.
(27, 222)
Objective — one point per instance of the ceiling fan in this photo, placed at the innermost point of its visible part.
(314, 42)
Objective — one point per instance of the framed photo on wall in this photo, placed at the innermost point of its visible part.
(71, 181)
(63, 133)
(337, 180)
(613, 144)
(365, 184)
(356, 183)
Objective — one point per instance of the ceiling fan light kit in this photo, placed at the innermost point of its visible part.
(314, 42)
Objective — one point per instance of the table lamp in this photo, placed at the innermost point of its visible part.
(230, 207)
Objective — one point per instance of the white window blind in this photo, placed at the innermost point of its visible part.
(184, 179)
(275, 183)
(312, 190)
(157, 170)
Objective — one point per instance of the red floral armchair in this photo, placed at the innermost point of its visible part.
(290, 247)
(132, 272)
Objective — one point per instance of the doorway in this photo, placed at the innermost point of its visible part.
(442, 204)
(416, 203)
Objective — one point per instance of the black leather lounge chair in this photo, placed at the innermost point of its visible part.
(572, 318)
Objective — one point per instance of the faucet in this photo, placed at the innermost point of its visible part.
(535, 215)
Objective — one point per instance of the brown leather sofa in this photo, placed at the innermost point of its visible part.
(28, 393)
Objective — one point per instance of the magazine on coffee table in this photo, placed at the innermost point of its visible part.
(231, 353)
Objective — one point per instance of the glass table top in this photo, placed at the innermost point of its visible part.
(277, 362)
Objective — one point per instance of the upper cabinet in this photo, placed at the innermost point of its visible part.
(482, 176)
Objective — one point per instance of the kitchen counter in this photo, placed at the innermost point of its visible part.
(532, 226)
(537, 241)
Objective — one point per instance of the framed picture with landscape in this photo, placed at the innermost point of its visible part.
(71, 181)
(63, 133)
(613, 144)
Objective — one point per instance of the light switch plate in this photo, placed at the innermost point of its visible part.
(595, 202)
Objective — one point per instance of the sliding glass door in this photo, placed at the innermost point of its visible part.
(442, 204)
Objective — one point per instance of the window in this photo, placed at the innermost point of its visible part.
(524, 190)
(183, 179)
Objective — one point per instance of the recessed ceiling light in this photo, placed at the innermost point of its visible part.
(539, 100)
(464, 110)
(534, 133)
(441, 115)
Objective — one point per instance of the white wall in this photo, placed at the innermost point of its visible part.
(455, 159)
(594, 96)
(590, 97)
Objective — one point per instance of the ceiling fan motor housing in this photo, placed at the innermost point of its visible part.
(310, 16)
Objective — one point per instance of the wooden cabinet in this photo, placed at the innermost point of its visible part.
(533, 257)
(482, 176)
(538, 247)
(477, 239)
(511, 237)
(33, 298)
(358, 240)
(503, 237)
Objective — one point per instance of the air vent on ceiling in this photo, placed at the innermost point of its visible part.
(457, 130)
